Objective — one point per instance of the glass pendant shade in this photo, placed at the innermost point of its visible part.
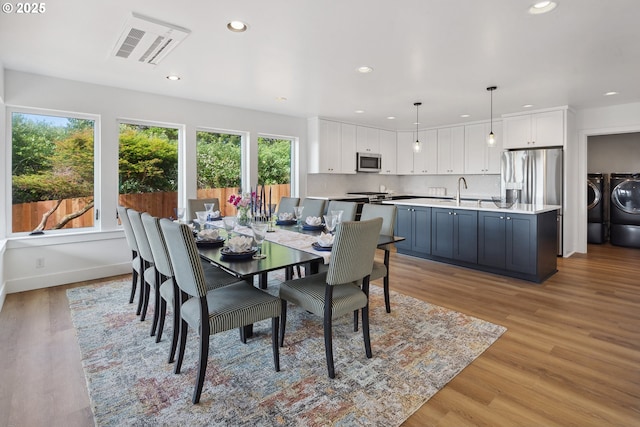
(491, 140)
(417, 146)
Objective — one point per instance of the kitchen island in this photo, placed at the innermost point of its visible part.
(519, 242)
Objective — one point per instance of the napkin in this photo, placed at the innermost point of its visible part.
(240, 244)
(208, 234)
(215, 214)
(285, 216)
(313, 220)
(325, 239)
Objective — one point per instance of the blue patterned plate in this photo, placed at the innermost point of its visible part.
(210, 243)
(318, 247)
(313, 227)
(226, 253)
(286, 222)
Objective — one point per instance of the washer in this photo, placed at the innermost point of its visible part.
(596, 208)
(625, 210)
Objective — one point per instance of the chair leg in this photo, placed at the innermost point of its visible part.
(243, 335)
(141, 287)
(274, 342)
(183, 342)
(283, 321)
(204, 351)
(355, 320)
(365, 319)
(163, 314)
(134, 285)
(176, 322)
(328, 342)
(145, 304)
(156, 312)
(387, 302)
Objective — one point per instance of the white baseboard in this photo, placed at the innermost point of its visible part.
(63, 278)
(3, 294)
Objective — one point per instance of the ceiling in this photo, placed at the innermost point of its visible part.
(443, 53)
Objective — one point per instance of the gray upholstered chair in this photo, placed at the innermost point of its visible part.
(388, 215)
(349, 209)
(149, 279)
(136, 261)
(196, 205)
(214, 278)
(287, 204)
(312, 207)
(209, 312)
(336, 293)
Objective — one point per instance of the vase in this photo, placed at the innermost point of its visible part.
(244, 216)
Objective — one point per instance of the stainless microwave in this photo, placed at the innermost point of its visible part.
(367, 162)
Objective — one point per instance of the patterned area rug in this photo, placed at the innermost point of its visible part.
(417, 349)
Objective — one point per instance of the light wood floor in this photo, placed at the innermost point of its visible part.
(570, 357)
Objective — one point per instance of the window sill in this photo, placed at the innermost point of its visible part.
(28, 241)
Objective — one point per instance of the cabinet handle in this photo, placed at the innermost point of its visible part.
(508, 218)
(501, 217)
(455, 213)
(450, 213)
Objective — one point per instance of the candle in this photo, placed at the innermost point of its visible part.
(270, 213)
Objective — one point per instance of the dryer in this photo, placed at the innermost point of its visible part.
(625, 209)
(596, 208)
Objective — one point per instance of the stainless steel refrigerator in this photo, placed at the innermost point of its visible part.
(535, 177)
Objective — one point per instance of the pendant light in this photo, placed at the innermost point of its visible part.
(416, 145)
(491, 142)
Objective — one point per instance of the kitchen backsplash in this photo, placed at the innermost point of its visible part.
(330, 185)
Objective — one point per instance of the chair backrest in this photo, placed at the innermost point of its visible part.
(287, 204)
(386, 212)
(158, 246)
(353, 250)
(128, 230)
(348, 209)
(184, 257)
(312, 207)
(144, 250)
(196, 205)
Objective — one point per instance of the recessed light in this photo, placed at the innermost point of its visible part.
(359, 111)
(527, 106)
(365, 69)
(281, 98)
(464, 116)
(613, 92)
(542, 7)
(391, 118)
(237, 26)
(173, 78)
(416, 123)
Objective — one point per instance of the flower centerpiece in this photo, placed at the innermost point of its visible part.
(243, 204)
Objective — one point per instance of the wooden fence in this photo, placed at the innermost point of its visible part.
(27, 216)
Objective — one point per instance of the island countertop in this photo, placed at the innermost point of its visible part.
(518, 208)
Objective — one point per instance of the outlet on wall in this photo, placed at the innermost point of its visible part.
(39, 262)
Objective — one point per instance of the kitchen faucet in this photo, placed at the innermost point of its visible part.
(458, 192)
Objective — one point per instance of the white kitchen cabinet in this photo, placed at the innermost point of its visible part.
(543, 129)
(423, 163)
(451, 150)
(332, 147)
(367, 140)
(388, 152)
(479, 157)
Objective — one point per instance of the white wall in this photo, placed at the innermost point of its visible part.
(76, 257)
(618, 153)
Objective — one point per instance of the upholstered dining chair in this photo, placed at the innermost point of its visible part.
(214, 277)
(336, 292)
(388, 215)
(349, 209)
(312, 207)
(197, 205)
(287, 204)
(137, 266)
(210, 312)
(149, 279)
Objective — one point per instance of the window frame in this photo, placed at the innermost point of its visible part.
(97, 171)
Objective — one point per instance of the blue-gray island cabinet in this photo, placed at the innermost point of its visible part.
(518, 242)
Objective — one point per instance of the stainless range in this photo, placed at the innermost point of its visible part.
(373, 196)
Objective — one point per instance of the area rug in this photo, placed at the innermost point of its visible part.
(417, 349)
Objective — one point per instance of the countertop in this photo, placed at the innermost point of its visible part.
(343, 196)
(518, 208)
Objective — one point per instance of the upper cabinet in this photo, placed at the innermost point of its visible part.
(423, 163)
(451, 150)
(388, 152)
(479, 157)
(541, 129)
(367, 140)
(332, 147)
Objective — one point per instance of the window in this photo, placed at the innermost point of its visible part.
(52, 171)
(219, 166)
(274, 167)
(148, 168)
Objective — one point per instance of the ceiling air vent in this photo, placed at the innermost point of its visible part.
(147, 40)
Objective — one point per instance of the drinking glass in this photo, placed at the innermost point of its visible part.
(229, 224)
(338, 215)
(202, 219)
(259, 233)
(209, 208)
(180, 213)
(297, 212)
(330, 222)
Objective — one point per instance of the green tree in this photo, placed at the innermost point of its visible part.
(274, 161)
(218, 160)
(33, 144)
